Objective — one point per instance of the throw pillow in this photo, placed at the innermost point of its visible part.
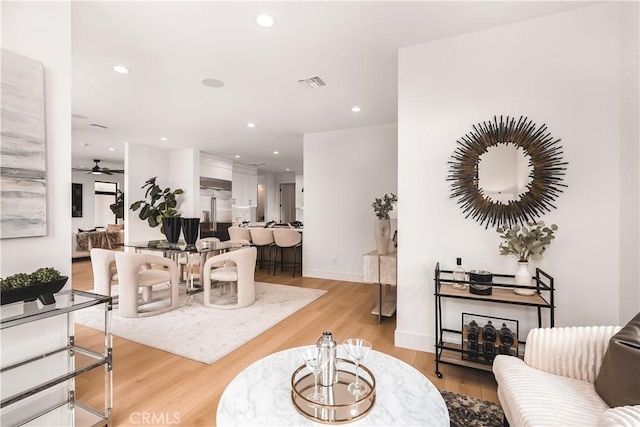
(114, 227)
(618, 382)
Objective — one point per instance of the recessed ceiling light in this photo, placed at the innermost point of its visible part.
(287, 169)
(113, 149)
(356, 109)
(265, 21)
(212, 83)
(252, 125)
(276, 152)
(237, 156)
(121, 69)
(164, 139)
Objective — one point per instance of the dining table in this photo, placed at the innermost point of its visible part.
(174, 251)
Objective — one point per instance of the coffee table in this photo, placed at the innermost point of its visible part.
(261, 394)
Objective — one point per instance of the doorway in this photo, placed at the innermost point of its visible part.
(105, 196)
(287, 203)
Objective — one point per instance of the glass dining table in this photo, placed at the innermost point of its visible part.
(175, 251)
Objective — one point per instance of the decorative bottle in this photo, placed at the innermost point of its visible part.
(327, 349)
(459, 274)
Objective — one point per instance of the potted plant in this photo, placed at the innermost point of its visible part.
(526, 242)
(118, 207)
(382, 226)
(41, 284)
(158, 207)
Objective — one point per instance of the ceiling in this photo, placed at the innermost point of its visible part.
(171, 47)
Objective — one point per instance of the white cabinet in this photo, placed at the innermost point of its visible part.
(212, 167)
(245, 189)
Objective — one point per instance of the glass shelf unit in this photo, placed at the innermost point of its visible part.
(503, 285)
(78, 360)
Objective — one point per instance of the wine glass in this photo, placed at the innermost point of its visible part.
(357, 349)
(315, 362)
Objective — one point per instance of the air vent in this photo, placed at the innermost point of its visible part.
(312, 82)
(257, 164)
(95, 125)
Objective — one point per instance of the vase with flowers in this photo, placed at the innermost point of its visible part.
(526, 242)
(382, 227)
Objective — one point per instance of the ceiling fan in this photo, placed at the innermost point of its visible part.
(97, 170)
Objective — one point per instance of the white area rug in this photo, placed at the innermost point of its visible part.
(206, 334)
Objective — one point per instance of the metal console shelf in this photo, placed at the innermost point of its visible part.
(449, 352)
(78, 361)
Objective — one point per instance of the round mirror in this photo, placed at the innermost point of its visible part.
(504, 173)
(503, 191)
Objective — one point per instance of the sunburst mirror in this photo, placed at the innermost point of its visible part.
(506, 171)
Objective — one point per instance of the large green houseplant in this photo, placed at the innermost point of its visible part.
(158, 203)
(118, 207)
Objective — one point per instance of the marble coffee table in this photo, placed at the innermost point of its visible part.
(261, 394)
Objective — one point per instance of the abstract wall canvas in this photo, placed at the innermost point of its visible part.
(23, 184)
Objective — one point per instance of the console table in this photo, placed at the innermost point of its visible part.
(261, 394)
(381, 270)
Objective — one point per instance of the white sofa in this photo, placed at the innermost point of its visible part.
(554, 385)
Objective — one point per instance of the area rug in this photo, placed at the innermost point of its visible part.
(465, 411)
(206, 334)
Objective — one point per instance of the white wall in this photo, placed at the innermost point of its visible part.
(629, 161)
(185, 174)
(166, 165)
(88, 197)
(42, 31)
(563, 70)
(344, 171)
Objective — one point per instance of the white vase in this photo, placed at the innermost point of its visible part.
(382, 230)
(523, 278)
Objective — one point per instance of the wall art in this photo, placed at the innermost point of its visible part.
(23, 183)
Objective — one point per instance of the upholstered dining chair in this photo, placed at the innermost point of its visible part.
(132, 277)
(238, 268)
(288, 240)
(239, 233)
(105, 274)
(262, 238)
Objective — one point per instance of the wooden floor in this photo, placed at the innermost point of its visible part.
(166, 388)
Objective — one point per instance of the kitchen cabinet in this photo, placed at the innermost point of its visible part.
(27, 404)
(245, 189)
(212, 167)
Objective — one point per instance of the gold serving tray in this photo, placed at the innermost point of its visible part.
(342, 407)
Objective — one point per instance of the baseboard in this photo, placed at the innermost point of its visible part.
(414, 341)
(80, 258)
(333, 275)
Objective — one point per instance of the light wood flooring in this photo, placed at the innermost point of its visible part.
(151, 381)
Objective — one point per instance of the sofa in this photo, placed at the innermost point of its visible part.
(83, 241)
(555, 384)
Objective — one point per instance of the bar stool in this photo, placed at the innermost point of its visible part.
(262, 239)
(288, 240)
(239, 233)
